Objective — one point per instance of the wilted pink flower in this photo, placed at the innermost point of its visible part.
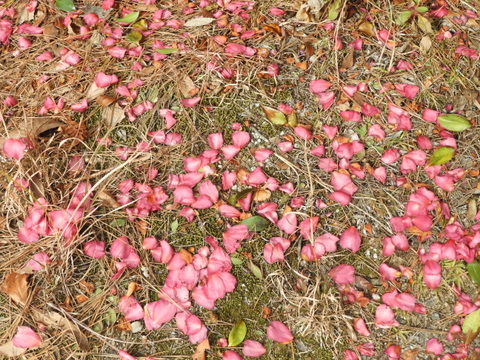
(26, 338)
(159, 312)
(103, 80)
(253, 348)
(278, 332)
(350, 239)
(14, 148)
(343, 274)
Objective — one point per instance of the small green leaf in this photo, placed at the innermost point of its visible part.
(117, 223)
(403, 17)
(454, 122)
(422, 9)
(235, 260)
(441, 156)
(114, 300)
(237, 334)
(233, 199)
(98, 327)
(174, 226)
(134, 36)
(275, 116)
(292, 119)
(471, 324)
(111, 317)
(424, 24)
(334, 10)
(474, 272)
(129, 18)
(166, 51)
(255, 270)
(255, 223)
(65, 5)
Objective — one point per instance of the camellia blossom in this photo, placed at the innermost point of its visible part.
(279, 332)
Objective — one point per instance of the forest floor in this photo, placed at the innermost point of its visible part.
(269, 140)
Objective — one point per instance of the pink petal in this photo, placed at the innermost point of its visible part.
(361, 327)
(131, 308)
(230, 151)
(103, 80)
(158, 312)
(256, 177)
(409, 91)
(319, 86)
(233, 235)
(302, 132)
(326, 99)
(288, 223)
(308, 227)
(228, 180)
(350, 355)
(273, 253)
(434, 346)
(350, 239)
(38, 261)
(341, 197)
(190, 102)
(377, 132)
(385, 318)
(240, 139)
(393, 352)
(349, 115)
(278, 332)
(26, 338)
(94, 249)
(231, 355)
(432, 274)
(253, 348)
(262, 154)
(330, 131)
(123, 354)
(229, 211)
(343, 274)
(183, 195)
(285, 146)
(163, 253)
(430, 115)
(390, 156)
(215, 141)
(14, 148)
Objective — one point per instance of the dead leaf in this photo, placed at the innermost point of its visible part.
(425, 44)
(105, 100)
(200, 21)
(16, 286)
(10, 350)
(56, 320)
(348, 60)
(186, 256)
(273, 28)
(94, 91)
(472, 209)
(124, 325)
(261, 195)
(107, 199)
(304, 14)
(132, 287)
(187, 87)
(142, 226)
(81, 298)
(86, 286)
(366, 28)
(424, 24)
(201, 350)
(113, 115)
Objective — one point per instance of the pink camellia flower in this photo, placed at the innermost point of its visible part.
(432, 274)
(361, 327)
(103, 80)
(131, 308)
(279, 332)
(94, 249)
(434, 347)
(231, 355)
(343, 274)
(350, 239)
(14, 148)
(253, 348)
(26, 338)
(385, 318)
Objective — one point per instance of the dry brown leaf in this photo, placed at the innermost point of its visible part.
(366, 28)
(94, 91)
(107, 199)
(261, 195)
(16, 286)
(86, 286)
(81, 298)
(273, 28)
(132, 287)
(56, 320)
(113, 115)
(32, 127)
(10, 350)
(425, 44)
(201, 350)
(142, 226)
(105, 100)
(187, 87)
(124, 325)
(186, 256)
(472, 209)
(348, 60)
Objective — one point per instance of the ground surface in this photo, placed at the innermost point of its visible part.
(246, 67)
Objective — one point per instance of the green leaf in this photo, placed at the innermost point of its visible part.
(422, 9)
(424, 24)
(174, 226)
(233, 199)
(403, 17)
(334, 10)
(474, 272)
(111, 317)
(454, 122)
(275, 116)
(134, 36)
(141, 25)
(441, 156)
(129, 18)
(235, 260)
(166, 51)
(471, 325)
(255, 270)
(255, 223)
(65, 5)
(117, 223)
(237, 334)
(292, 119)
